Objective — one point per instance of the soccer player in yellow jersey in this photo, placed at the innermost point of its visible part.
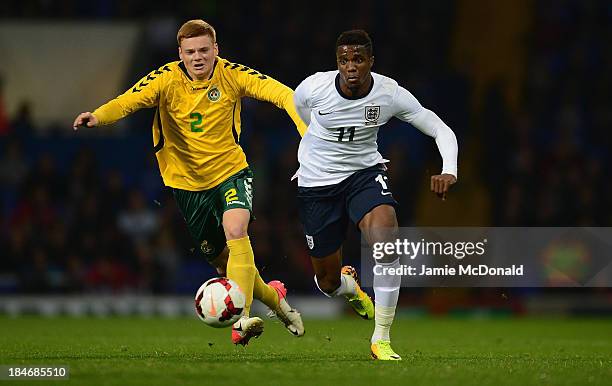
(195, 132)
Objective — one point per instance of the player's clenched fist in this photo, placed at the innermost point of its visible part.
(85, 119)
(440, 183)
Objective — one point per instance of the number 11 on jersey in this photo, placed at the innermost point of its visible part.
(351, 134)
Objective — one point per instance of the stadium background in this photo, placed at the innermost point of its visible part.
(525, 85)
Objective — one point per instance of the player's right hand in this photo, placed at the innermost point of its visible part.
(86, 120)
(440, 184)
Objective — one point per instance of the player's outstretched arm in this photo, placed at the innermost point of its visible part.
(429, 123)
(86, 119)
(253, 84)
(144, 94)
(410, 110)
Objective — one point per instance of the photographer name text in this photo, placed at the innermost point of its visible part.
(461, 270)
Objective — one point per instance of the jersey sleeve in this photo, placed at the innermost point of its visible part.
(302, 98)
(144, 94)
(408, 109)
(251, 83)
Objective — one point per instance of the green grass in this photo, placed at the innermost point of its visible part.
(139, 351)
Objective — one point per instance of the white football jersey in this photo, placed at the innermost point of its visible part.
(342, 131)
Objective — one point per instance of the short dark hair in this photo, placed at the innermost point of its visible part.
(355, 37)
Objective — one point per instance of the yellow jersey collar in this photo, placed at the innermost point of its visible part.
(212, 73)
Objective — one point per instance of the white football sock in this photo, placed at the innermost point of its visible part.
(383, 319)
(347, 287)
(386, 293)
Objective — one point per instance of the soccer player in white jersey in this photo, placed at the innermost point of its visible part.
(342, 175)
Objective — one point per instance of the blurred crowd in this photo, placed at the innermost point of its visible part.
(547, 161)
(74, 220)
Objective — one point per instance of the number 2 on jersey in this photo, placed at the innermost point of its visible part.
(196, 123)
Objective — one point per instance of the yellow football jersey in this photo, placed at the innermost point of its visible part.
(197, 123)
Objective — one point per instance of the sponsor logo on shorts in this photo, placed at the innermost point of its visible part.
(310, 241)
(236, 202)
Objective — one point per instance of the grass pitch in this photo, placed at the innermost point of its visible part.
(140, 351)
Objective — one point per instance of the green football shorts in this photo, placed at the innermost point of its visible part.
(203, 210)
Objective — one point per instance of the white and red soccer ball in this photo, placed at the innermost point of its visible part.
(219, 302)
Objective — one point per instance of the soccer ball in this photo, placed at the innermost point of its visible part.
(219, 302)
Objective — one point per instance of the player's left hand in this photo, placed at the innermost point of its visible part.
(440, 183)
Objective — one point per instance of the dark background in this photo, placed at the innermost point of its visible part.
(525, 85)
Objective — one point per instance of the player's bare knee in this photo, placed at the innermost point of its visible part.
(379, 224)
(235, 231)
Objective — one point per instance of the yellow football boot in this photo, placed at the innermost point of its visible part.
(361, 303)
(382, 351)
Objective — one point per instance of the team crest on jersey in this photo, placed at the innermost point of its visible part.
(205, 247)
(372, 113)
(310, 241)
(214, 94)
